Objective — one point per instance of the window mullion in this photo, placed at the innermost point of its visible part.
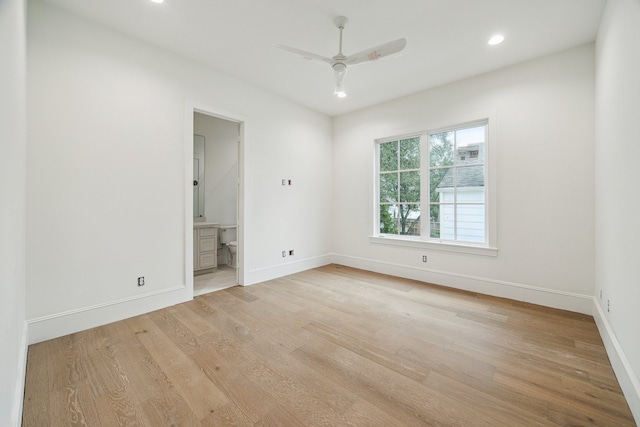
(398, 181)
(425, 196)
(455, 185)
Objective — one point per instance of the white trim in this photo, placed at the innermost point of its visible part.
(192, 107)
(516, 291)
(262, 274)
(187, 249)
(434, 245)
(59, 324)
(627, 379)
(240, 220)
(220, 113)
(18, 396)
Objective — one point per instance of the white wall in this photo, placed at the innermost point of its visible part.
(542, 115)
(108, 170)
(617, 196)
(13, 331)
(221, 168)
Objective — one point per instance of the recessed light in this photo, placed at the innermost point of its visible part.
(497, 39)
(157, 1)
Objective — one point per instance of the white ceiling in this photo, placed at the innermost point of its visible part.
(446, 39)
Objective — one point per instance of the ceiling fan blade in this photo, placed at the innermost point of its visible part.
(304, 54)
(377, 52)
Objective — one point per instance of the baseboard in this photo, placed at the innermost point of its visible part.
(68, 322)
(259, 275)
(18, 396)
(520, 292)
(624, 372)
(60, 324)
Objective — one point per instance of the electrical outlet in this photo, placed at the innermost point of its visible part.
(424, 258)
(141, 281)
(289, 182)
(291, 252)
(284, 182)
(608, 306)
(284, 254)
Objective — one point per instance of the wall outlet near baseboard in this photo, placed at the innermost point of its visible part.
(141, 281)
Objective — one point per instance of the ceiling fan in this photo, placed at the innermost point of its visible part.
(340, 61)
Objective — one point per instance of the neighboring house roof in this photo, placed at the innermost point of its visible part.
(466, 177)
(471, 176)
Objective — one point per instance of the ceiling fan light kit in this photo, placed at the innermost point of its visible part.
(339, 70)
(340, 61)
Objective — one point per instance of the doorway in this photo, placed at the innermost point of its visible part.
(219, 197)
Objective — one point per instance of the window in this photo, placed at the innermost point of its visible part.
(400, 187)
(439, 173)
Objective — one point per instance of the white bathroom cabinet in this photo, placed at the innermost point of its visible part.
(205, 246)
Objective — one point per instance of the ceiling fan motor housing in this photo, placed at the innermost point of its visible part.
(341, 21)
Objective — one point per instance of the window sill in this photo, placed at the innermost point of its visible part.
(434, 245)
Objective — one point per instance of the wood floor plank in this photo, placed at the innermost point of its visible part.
(74, 405)
(115, 395)
(274, 348)
(36, 395)
(574, 408)
(160, 401)
(364, 413)
(194, 323)
(499, 411)
(390, 360)
(250, 401)
(332, 346)
(310, 403)
(592, 394)
(65, 367)
(228, 415)
(404, 399)
(201, 395)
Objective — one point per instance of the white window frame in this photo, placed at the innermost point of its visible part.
(424, 241)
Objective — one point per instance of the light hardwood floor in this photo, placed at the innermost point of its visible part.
(333, 346)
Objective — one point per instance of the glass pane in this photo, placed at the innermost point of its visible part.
(388, 187)
(470, 184)
(470, 224)
(441, 149)
(410, 153)
(470, 145)
(389, 156)
(409, 219)
(441, 185)
(389, 219)
(434, 221)
(447, 222)
(410, 187)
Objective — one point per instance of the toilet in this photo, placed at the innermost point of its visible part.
(228, 239)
